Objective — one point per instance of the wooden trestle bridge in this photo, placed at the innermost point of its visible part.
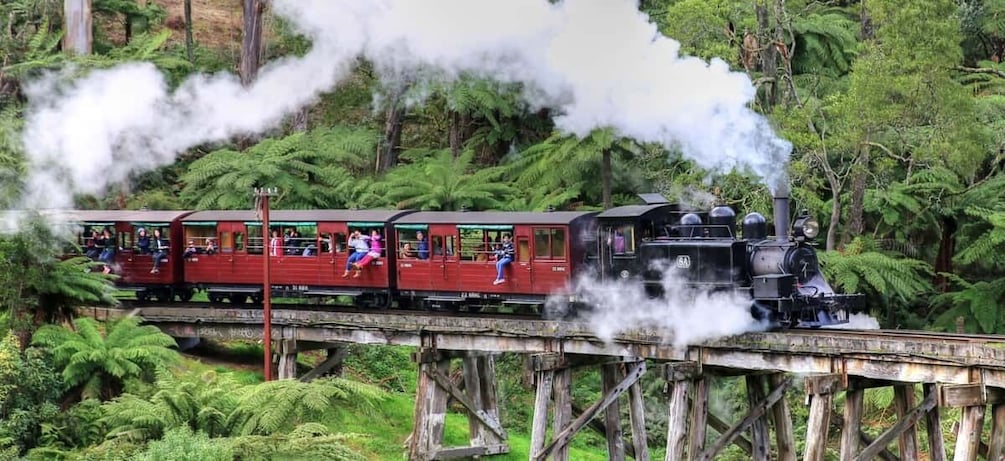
(955, 372)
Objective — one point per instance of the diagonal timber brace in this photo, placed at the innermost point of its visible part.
(756, 412)
(562, 439)
(444, 383)
(905, 423)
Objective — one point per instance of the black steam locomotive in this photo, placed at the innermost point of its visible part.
(780, 274)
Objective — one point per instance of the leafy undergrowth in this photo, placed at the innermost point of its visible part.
(380, 432)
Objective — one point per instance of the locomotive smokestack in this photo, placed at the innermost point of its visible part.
(781, 211)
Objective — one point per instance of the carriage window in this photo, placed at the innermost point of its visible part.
(621, 239)
(479, 244)
(239, 241)
(201, 236)
(300, 239)
(227, 242)
(549, 243)
(255, 242)
(340, 242)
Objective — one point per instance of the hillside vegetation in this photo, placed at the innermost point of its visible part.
(894, 111)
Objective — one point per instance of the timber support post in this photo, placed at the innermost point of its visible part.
(435, 388)
(552, 373)
(288, 359)
(820, 391)
(758, 408)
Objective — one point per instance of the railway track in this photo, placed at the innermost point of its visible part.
(835, 333)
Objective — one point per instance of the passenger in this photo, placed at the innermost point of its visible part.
(160, 248)
(276, 244)
(191, 250)
(142, 241)
(291, 240)
(504, 257)
(373, 254)
(406, 251)
(210, 246)
(357, 241)
(108, 252)
(422, 247)
(91, 238)
(619, 242)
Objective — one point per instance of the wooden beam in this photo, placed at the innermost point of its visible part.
(996, 450)
(539, 426)
(288, 359)
(905, 423)
(635, 372)
(817, 426)
(610, 375)
(756, 412)
(933, 427)
(444, 383)
(677, 413)
(903, 397)
(637, 415)
(968, 438)
(758, 427)
(699, 419)
(721, 426)
(968, 395)
(852, 425)
(562, 390)
(469, 452)
(473, 388)
(785, 442)
(327, 365)
(430, 412)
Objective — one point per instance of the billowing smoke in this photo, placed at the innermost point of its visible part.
(684, 316)
(595, 63)
(858, 321)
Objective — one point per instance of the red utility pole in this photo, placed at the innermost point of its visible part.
(262, 205)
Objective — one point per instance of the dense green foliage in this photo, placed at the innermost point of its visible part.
(896, 111)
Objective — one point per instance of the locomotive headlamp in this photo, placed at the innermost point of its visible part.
(805, 226)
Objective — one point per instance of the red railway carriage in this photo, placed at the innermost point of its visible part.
(129, 261)
(309, 259)
(459, 266)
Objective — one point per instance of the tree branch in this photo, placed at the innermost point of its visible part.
(980, 70)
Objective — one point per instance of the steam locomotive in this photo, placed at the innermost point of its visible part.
(781, 275)
(221, 253)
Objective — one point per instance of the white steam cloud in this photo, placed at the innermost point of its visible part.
(684, 316)
(596, 63)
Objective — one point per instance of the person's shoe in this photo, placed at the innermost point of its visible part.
(499, 281)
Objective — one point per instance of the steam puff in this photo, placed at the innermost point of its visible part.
(597, 63)
(683, 316)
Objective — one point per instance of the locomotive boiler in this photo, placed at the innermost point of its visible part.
(666, 245)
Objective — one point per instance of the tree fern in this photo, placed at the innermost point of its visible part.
(268, 407)
(825, 42)
(97, 365)
(435, 180)
(881, 276)
(979, 304)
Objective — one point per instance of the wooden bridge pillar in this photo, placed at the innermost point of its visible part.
(287, 359)
(552, 374)
(973, 399)
(487, 435)
(681, 379)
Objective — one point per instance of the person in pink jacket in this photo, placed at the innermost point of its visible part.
(374, 253)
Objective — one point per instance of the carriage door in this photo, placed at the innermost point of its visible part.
(523, 270)
(444, 270)
(332, 251)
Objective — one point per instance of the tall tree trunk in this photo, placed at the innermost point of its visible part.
(835, 184)
(769, 56)
(251, 42)
(387, 155)
(865, 27)
(129, 29)
(606, 176)
(944, 260)
(856, 220)
(79, 36)
(299, 122)
(189, 40)
(455, 133)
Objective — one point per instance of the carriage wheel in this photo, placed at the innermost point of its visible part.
(238, 299)
(185, 294)
(215, 298)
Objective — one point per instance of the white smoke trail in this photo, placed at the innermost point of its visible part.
(683, 316)
(596, 63)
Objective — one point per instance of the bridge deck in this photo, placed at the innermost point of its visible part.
(907, 356)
